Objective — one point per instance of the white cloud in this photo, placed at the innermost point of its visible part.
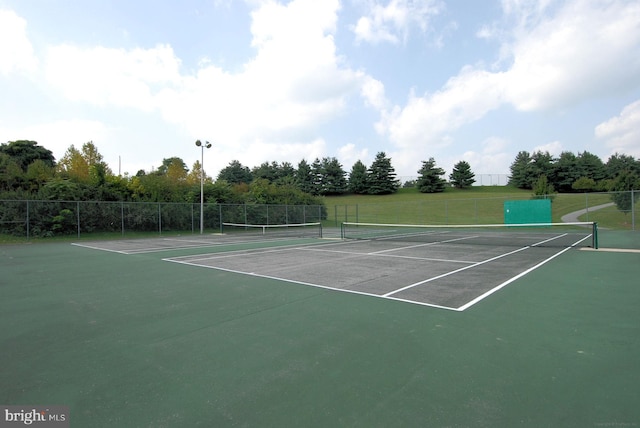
(554, 148)
(490, 159)
(258, 152)
(16, 51)
(588, 48)
(622, 133)
(560, 55)
(464, 98)
(273, 106)
(105, 76)
(295, 82)
(349, 154)
(393, 22)
(373, 93)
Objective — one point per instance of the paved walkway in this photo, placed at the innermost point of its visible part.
(573, 217)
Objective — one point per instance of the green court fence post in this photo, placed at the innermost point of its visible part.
(159, 219)
(27, 219)
(78, 216)
(595, 235)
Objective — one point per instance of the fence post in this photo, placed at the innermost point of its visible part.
(586, 198)
(122, 217)
(78, 216)
(633, 210)
(27, 219)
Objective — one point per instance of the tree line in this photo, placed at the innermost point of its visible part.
(584, 172)
(30, 171)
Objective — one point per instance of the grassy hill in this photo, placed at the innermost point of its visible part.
(476, 205)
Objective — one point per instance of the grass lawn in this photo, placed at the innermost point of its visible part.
(476, 205)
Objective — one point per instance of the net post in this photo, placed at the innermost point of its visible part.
(595, 235)
(342, 230)
(320, 230)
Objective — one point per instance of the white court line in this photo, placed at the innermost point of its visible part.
(291, 281)
(98, 248)
(509, 281)
(158, 249)
(378, 254)
(388, 296)
(613, 250)
(549, 240)
(454, 271)
(423, 245)
(489, 260)
(236, 253)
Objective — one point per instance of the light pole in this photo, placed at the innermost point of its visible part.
(202, 146)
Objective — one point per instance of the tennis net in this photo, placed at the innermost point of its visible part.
(577, 234)
(300, 230)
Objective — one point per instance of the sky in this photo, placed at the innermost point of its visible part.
(267, 80)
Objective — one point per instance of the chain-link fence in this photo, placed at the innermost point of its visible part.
(34, 219)
(616, 210)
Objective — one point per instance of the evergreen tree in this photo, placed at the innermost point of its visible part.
(235, 173)
(286, 174)
(430, 179)
(565, 172)
(541, 164)
(381, 176)
(618, 163)
(358, 178)
(462, 177)
(317, 176)
(333, 177)
(521, 171)
(266, 170)
(591, 166)
(304, 177)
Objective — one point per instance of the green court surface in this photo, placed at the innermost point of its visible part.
(131, 340)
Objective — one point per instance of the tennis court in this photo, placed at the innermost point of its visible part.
(444, 267)
(224, 330)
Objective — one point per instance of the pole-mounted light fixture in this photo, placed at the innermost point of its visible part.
(202, 146)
